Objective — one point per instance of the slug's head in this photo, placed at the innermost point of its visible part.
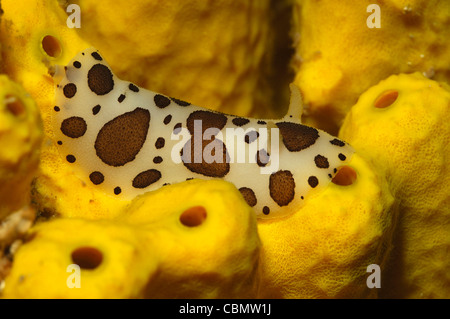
(97, 120)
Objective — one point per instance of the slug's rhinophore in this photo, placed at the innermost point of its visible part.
(128, 140)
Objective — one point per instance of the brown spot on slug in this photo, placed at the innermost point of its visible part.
(121, 139)
(96, 178)
(282, 187)
(321, 161)
(69, 90)
(213, 169)
(313, 181)
(161, 101)
(167, 119)
(96, 109)
(100, 79)
(262, 158)
(74, 127)
(180, 102)
(133, 87)
(251, 136)
(337, 142)
(297, 137)
(96, 56)
(157, 160)
(145, 179)
(71, 158)
(239, 121)
(249, 195)
(160, 142)
(177, 128)
(208, 120)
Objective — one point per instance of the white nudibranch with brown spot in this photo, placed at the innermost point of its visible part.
(127, 141)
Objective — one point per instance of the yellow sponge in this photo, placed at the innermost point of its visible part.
(20, 139)
(35, 37)
(325, 249)
(338, 55)
(196, 239)
(217, 54)
(402, 124)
